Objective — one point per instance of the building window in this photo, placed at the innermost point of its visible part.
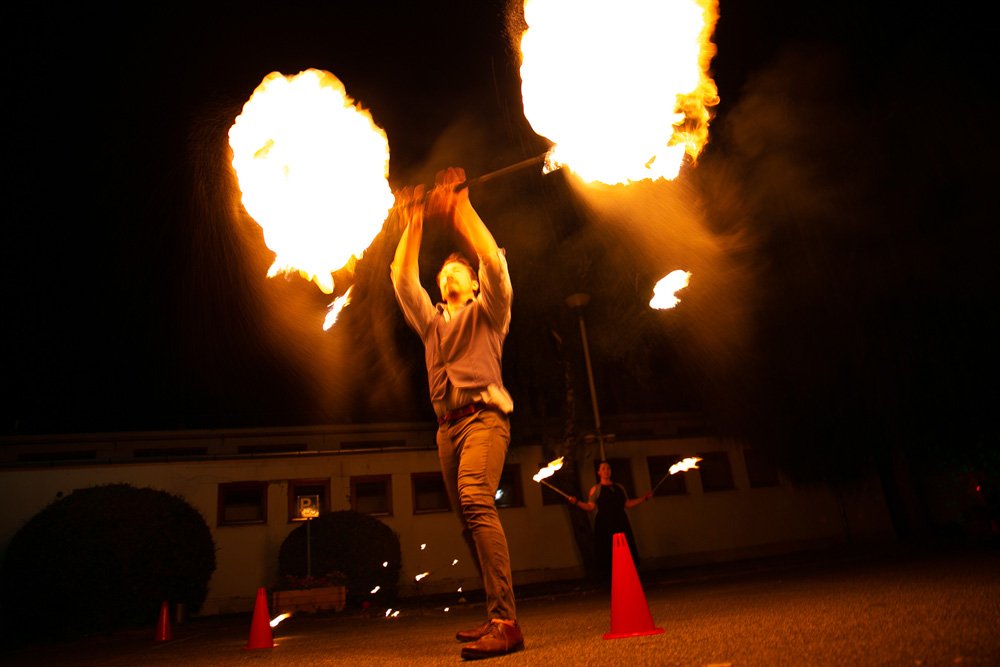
(663, 482)
(716, 474)
(509, 493)
(761, 470)
(308, 498)
(372, 494)
(242, 503)
(429, 494)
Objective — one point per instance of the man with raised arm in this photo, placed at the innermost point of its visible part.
(463, 338)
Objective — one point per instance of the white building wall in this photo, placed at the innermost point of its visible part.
(670, 530)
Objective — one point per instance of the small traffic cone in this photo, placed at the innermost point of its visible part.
(260, 625)
(630, 615)
(163, 633)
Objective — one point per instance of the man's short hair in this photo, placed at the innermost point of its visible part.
(461, 259)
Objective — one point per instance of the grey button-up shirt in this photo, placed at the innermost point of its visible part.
(463, 352)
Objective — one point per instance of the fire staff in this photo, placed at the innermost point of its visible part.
(463, 339)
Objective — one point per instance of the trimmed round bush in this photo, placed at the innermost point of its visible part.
(104, 558)
(351, 544)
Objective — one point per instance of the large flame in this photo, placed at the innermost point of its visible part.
(690, 463)
(666, 288)
(621, 88)
(548, 470)
(312, 166)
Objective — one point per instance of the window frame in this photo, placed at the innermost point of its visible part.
(368, 479)
(415, 478)
(512, 473)
(226, 488)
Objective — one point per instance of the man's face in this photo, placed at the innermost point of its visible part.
(456, 281)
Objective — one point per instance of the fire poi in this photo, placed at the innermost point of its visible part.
(312, 168)
(690, 463)
(665, 290)
(621, 89)
(547, 471)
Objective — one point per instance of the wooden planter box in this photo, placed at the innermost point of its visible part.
(310, 599)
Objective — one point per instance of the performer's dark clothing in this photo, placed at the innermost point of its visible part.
(611, 519)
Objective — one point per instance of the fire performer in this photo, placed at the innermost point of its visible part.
(610, 499)
(463, 340)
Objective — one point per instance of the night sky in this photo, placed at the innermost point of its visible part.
(840, 226)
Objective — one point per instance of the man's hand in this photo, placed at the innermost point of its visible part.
(443, 200)
(410, 207)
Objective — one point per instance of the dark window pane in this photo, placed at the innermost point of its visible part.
(371, 495)
(242, 503)
(664, 483)
(429, 494)
(716, 475)
(509, 492)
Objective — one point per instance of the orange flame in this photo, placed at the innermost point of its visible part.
(335, 307)
(621, 89)
(665, 290)
(689, 463)
(548, 470)
(312, 168)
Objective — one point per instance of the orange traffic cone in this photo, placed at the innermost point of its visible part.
(260, 625)
(630, 615)
(163, 633)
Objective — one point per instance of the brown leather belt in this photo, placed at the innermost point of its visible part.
(458, 413)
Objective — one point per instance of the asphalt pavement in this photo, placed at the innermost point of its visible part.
(902, 605)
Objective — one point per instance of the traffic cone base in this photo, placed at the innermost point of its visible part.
(630, 615)
(260, 625)
(163, 633)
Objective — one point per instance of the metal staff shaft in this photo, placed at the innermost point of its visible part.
(672, 472)
(475, 180)
(661, 481)
(482, 178)
(561, 493)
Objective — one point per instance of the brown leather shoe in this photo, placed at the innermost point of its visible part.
(472, 634)
(501, 638)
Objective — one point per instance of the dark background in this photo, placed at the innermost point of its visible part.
(840, 226)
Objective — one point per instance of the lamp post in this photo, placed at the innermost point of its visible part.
(577, 302)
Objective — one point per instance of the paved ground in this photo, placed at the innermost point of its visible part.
(924, 606)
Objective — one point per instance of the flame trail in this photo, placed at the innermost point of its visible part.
(312, 168)
(548, 470)
(621, 89)
(665, 290)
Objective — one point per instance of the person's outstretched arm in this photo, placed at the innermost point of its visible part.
(405, 268)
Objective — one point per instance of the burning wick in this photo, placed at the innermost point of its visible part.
(690, 463)
(385, 563)
(454, 562)
(423, 546)
(665, 290)
(375, 590)
(421, 575)
(278, 619)
(547, 471)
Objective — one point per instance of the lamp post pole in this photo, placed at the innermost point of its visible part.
(577, 302)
